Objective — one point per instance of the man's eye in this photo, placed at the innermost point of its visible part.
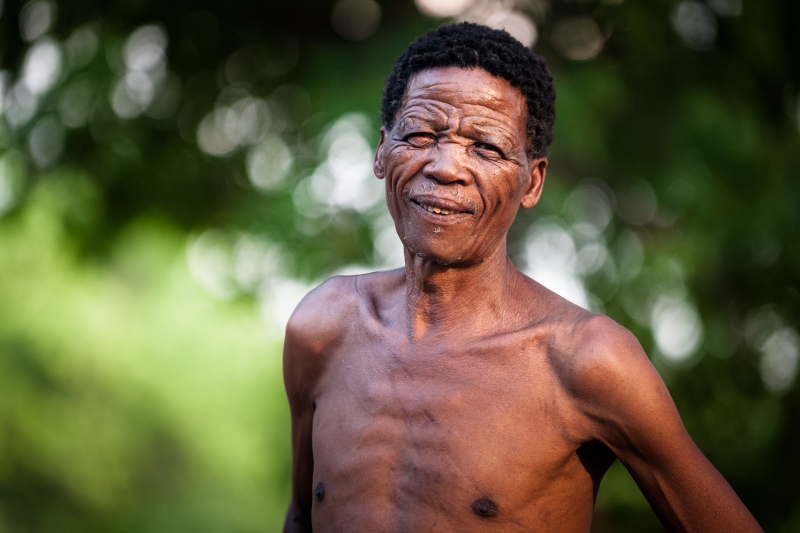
(420, 140)
(489, 148)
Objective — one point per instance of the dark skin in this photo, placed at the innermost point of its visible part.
(457, 394)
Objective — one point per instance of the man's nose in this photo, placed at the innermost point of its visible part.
(449, 164)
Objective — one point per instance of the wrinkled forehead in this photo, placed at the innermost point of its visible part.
(455, 91)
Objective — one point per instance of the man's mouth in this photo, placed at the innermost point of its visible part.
(439, 210)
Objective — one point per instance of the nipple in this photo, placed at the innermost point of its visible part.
(319, 492)
(485, 508)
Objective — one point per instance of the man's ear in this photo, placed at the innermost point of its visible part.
(377, 162)
(534, 187)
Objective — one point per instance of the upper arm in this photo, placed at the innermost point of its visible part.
(310, 333)
(629, 409)
(623, 396)
(298, 363)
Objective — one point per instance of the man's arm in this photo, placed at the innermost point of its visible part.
(630, 410)
(313, 328)
(298, 518)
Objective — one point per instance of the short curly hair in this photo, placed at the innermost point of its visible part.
(469, 45)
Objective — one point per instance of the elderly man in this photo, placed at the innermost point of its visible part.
(457, 394)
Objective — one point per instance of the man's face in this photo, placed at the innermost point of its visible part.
(455, 164)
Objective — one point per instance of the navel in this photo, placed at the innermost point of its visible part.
(319, 492)
(485, 508)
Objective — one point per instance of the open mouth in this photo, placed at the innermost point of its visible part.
(440, 210)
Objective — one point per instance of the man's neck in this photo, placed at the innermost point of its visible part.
(442, 299)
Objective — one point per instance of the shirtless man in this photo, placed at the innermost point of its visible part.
(456, 394)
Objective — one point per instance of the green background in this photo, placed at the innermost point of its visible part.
(144, 280)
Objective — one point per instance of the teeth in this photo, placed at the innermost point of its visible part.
(437, 210)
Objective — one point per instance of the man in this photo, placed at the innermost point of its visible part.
(457, 394)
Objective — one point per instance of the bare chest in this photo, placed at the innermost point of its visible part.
(472, 434)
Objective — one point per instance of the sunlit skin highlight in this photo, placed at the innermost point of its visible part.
(456, 394)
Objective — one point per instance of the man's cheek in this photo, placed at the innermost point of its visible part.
(400, 171)
(406, 162)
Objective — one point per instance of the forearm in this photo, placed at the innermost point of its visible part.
(696, 500)
(296, 520)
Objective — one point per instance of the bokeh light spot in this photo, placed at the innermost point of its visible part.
(355, 20)
(695, 24)
(345, 179)
(518, 24)
(577, 38)
(146, 70)
(81, 46)
(779, 358)
(592, 203)
(46, 142)
(676, 327)
(257, 262)
(125, 104)
(443, 8)
(637, 205)
(630, 255)
(551, 260)
(591, 248)
(210, 256)
(42, 66)
(36, 18)
(20, 105)
(268, 163)
(229, 127)
(145, 48)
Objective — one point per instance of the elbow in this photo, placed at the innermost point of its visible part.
(297, 521)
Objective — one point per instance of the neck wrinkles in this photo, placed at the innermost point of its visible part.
(445, 298)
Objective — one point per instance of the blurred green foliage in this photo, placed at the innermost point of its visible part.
(173, 176)
(132, 400)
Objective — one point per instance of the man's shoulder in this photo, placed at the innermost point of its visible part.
(602, 367)
(320, 307)
(327, 311)
(597, 342)
(321, 322)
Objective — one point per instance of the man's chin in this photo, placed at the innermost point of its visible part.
(446, 258)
